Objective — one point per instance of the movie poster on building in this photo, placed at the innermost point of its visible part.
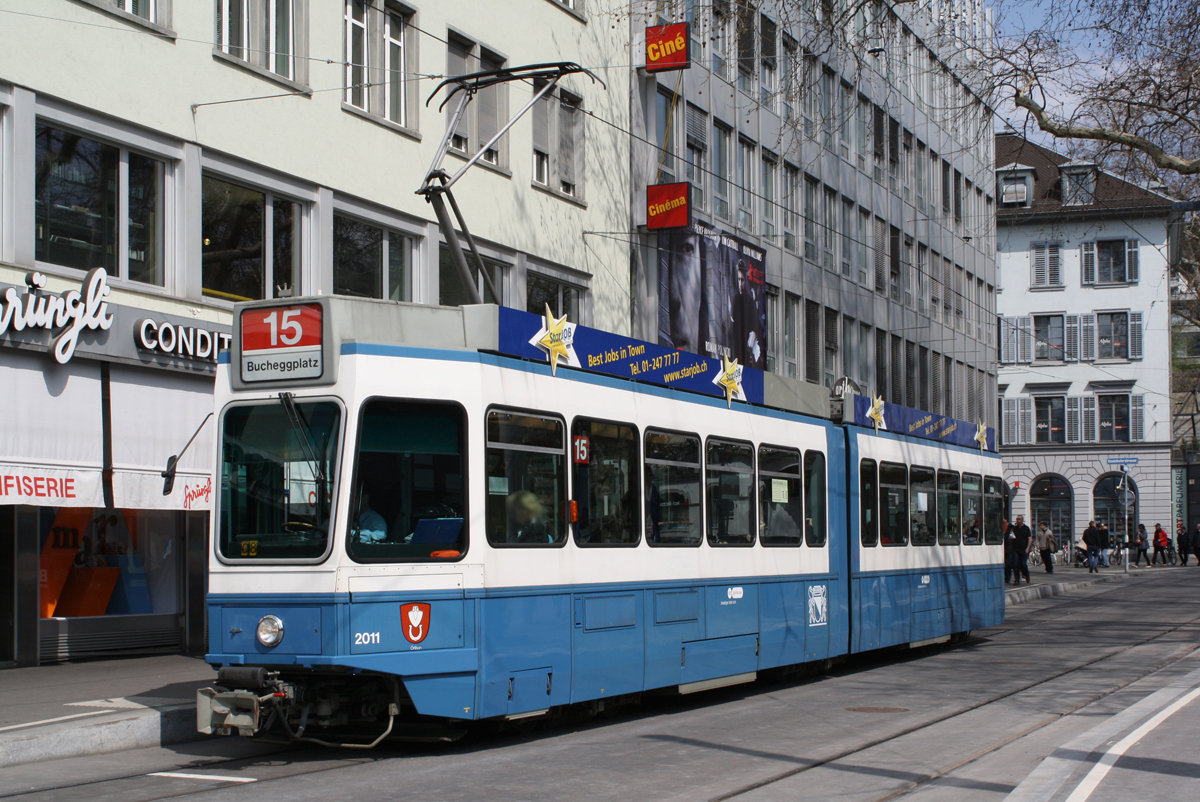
(712, 294)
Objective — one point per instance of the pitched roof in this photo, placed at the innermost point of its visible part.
(1112, 194)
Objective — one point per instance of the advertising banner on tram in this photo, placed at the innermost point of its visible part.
(712, 294)
(564, 343)
(919, 423)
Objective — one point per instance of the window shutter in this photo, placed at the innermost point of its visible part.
(1008, 340)
(1132, 268)
(1137, 418)
(1025, 419)
(1088, 338)
(1088, 260)
(1088, 418)
(456, 64)
(566, 142)
(935, 386)
(541, 124)
(1025, 339)
(1038, 257)
(812, 342)
(1010, 421)
(1053, 266)
(768, 33)
(745, 23)
(1073, 419)
(697, 126)
(1072, 337)
(880, 255)
(1135, 335)
(488, 112)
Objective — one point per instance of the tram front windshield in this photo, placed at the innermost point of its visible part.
(277, 470)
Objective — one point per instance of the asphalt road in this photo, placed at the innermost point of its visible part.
(1094, 695)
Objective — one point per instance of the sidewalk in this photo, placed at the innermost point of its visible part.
(1067, 578)
(93, 707)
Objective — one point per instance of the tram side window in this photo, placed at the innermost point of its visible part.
(923, 505)
(814, 498)
(672, 489)
(993, 511)
(607, 492)
(972, 509)
(949, 512)
(780, 499)
(409, 497)
(868, 496)
(893, 493)
(729, 493)
(526, 479)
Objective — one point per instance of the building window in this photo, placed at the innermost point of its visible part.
(768, 44)
(542, 291)
(146, 9)
(791, 199)
(810, 219)
(697, 144)
(251, 243)
(1111, 261)
(356, 53)
(451, 291)
(848, 220)
(369, 261)
(98, 205)
(1014, 192)
(845, 120)
(1046, 265)
(558, 144)
(1114, 417)
(395, 75)
(666, 124)
(1112, 332)
(864, 253)
(721, 23)
(745, 181)
(831, 346)
(769, 169)
(481, 120)
(1051, 425)
(746, 19)
(829, 229)
(790, 89)
(722, 138)
(1079, 187)
(263, 35)
(791, 335)
(1048, 337)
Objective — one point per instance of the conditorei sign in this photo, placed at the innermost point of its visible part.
(544, 338)
(667, 47)
(668, 206)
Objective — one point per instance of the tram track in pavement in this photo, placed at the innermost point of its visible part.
(913, 785)
(299, 755)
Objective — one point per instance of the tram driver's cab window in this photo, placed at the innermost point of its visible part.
(607, 491)
(408, 501)
(672, 489)
(526, 479)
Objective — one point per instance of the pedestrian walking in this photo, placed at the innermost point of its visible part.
(1010, 554)
(1046, 546)
(1141, 545)
(1105, 544)
(1091, 539)
(1184, 542)
(1023, 544)
(1161, 541)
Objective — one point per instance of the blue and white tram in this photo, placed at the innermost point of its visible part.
(420, 516)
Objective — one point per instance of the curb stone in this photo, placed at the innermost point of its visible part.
(120, 731)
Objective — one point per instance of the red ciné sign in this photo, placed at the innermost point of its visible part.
(667, 47)
(668, 206)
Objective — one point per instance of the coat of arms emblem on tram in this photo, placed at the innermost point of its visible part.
(818, 606)
(415, 621)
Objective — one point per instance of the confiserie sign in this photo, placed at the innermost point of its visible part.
(668, 206)
(667, 47)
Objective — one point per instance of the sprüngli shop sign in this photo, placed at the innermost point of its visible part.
(82, 322)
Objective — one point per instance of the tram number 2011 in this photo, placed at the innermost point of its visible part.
(365, 638)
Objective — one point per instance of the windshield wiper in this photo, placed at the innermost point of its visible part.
(301, 429)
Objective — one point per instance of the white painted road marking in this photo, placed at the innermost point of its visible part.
(53, 720)
(180, 776)
(1105, 764)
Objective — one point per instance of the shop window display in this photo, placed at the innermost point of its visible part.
(97, 562)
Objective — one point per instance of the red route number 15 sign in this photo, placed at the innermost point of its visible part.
(281, 342)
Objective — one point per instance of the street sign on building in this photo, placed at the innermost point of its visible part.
(1122, 460)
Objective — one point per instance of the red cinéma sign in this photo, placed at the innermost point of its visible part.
(281, 342)
(668, 205)
(667, 47)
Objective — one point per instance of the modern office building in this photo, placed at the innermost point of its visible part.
(187, 155)
(841, 184)
(1085, 379)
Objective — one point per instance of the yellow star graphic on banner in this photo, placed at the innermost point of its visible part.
(981, 436)
(553, 339)
(728, 379)
(876, 412)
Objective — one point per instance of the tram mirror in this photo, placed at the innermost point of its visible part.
(169, 475)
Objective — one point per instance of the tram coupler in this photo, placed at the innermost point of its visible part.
(237, 701)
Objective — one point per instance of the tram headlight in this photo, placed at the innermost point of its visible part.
(269, 631)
